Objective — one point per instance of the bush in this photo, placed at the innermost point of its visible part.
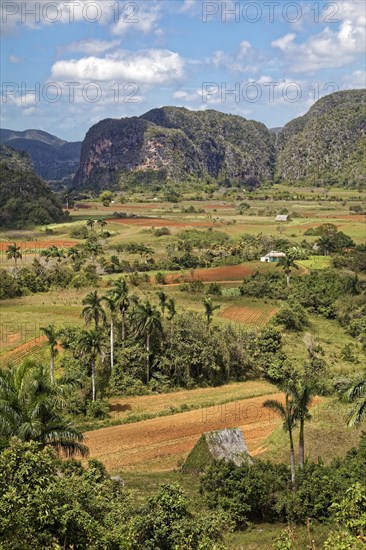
(79, 232)
(292, 318)
(97, 409)
(160, 278)
(262, 491)
(214, 289)
(162, 231)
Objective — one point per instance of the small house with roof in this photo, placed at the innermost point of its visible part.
(273, 256)
(282, 218)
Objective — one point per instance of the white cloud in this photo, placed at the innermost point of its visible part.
(284, 42)
(153, 66)
(246, 58)
(182, 95)
(91, 46)
(16, 59)
(138, 17)
(355, 80)
(34, 14)
(330, 48)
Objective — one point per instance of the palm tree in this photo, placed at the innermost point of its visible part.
(90, 223)
(102, 223)
(120, 294)
(171, 309)
(52, 336)
(93, 309)
(13, 252)
(287, 414)
(209, 309)
(74, 253)
(287, 263)
(163, 299)
(31, 409)
(356, 394)
(147, 320)
(302, 396)
(91, 343)
(110, 300)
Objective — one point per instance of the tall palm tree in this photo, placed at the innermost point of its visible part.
(356, 394)
(171, 309)
(163, 299)
(302, 393)
(14, 252)
(209, 309)
(52, 337)
(102, 224)
(93, 309)
(111, 302)
(31, 409)
(90, 223)
(91, 343)
(287, 263)
(147, 320)
(287, 414)
(120, 294)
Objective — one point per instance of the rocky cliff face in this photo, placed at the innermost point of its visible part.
(327, 146)
(177, 144)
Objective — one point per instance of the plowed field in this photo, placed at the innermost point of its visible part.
(249, 315)
(31, 349)
(215, 274)
(159, 444)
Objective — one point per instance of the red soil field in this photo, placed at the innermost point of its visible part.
(38, 245)
(158, 444)
(231, 273)
(159, 222)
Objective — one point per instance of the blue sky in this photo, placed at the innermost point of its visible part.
(93, 59)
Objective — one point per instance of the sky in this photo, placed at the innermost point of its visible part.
(65, 65)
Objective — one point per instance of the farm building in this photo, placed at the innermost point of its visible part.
(273, 256)
(282, 218)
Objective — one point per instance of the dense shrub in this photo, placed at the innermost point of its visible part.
(262, 490)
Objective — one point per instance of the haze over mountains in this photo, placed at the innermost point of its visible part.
(25, 198)
(326, 146)
(53, 158)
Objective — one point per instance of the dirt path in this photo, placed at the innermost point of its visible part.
(159, 444)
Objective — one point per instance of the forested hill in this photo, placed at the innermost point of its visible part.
(53, 158)
(25, 198)
(327, 145)
(178, 144)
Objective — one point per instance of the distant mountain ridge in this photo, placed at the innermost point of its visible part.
(53, 159)
(25, 199)
(177, 144)
(327, 145)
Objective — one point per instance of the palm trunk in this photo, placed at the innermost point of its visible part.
(292, 458)
(52, 368)
(123, 325)
(147, 358)
(301, 445)
(93, 380)
(112, 344)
